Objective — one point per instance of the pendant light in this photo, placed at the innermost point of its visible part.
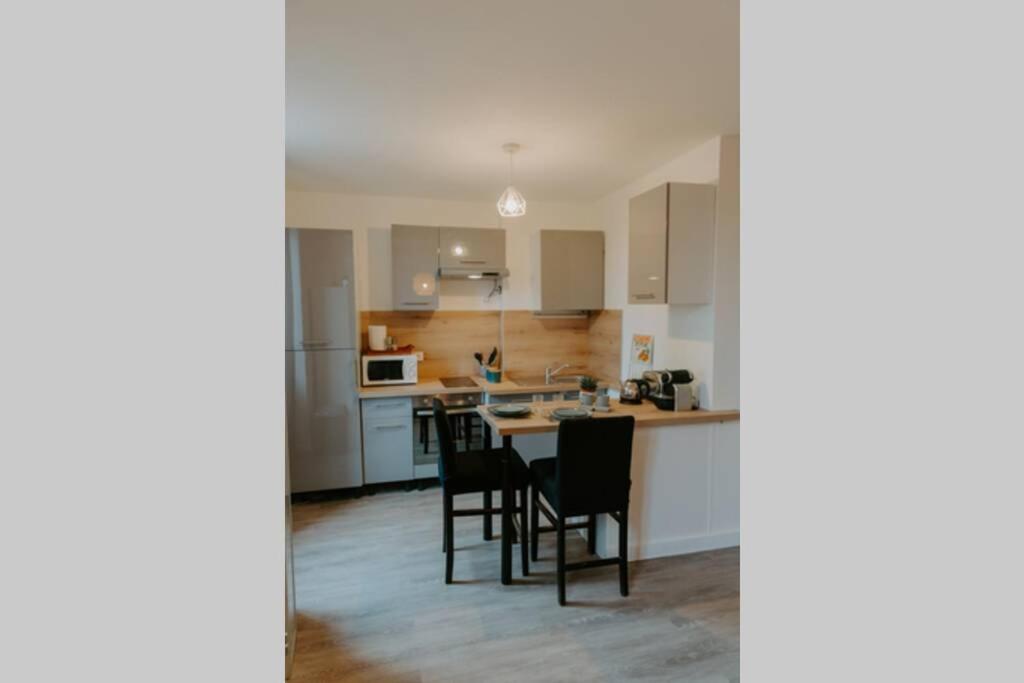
(511, 203)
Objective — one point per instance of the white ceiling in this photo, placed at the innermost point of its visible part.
(416, 97)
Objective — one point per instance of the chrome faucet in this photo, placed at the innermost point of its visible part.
(549, 373)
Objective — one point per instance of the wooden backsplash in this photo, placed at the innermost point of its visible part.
(448, 340)
(605, 343)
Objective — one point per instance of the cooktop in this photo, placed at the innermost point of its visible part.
(457, 382)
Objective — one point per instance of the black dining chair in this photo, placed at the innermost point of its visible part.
(588, 476)
(476, 471)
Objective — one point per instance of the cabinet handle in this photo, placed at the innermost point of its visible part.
(314, 343)
(415, 303)
(643, 296)
(390, 426)
(378, 406)
(473, 263)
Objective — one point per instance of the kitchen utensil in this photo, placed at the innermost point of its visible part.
(510, 410)
(493, 357)
(479, 358)
(377, 335)
(569, 413)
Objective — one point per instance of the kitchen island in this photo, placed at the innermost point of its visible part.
(685, 475)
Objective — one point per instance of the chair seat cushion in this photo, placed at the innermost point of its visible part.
(480, 470)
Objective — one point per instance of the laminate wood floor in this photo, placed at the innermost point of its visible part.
(372, 604)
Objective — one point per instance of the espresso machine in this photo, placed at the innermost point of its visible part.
(670, 389)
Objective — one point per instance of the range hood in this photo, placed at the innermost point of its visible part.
(472, 273)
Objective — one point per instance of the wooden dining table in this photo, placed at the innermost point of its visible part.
(540, 421)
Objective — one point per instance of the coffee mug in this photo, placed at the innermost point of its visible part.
(602, 400)
(586, 399)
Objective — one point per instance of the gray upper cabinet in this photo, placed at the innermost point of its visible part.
(414, 285)
(671, 244)
(691, 243)
(571, 270)
(648, 234)
(477, 248)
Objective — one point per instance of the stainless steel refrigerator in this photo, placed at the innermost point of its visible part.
(324, 441)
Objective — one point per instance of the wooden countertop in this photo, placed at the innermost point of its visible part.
(433, 386)
(646, 414)
(423, 388)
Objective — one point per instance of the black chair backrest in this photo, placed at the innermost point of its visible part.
(445, 463)
(592, 470)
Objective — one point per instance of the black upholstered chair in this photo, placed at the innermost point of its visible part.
(475, 471)
(589, 476)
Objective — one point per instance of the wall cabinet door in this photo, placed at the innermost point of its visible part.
(691, 243)
(414, 264)
(481, 248)
(572, 270)
(648, 236)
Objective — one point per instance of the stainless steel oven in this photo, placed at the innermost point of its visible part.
(466, 427)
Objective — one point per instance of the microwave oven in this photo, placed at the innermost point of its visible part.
(398, 368)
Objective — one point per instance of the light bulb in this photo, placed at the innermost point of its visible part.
(511, 203)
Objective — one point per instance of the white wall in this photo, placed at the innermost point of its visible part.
(370, 218)
(726, 374)
(684, 336)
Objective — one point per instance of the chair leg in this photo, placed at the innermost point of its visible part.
(592, 534)
(524, 532)
(623, 550)
(488, 524)
(449, 529)
(534, 522)
(560, 532)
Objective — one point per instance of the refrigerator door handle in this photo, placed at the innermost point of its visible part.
(316, 343)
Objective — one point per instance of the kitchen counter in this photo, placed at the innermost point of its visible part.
(685, 475)
(427, 387)
(646, 415)
(433, 386)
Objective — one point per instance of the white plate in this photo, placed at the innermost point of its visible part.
(569, 413)
(510, 410)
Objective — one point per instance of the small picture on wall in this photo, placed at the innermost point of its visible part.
(642, 354)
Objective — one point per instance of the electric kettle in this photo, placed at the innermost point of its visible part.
(634, 391)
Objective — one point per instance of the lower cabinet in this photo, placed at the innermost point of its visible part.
(387, 445)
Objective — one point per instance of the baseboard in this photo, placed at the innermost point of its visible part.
(682, 545)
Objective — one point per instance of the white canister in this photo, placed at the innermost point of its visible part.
(377, 334)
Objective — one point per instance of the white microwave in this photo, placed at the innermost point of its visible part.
(398, 368)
